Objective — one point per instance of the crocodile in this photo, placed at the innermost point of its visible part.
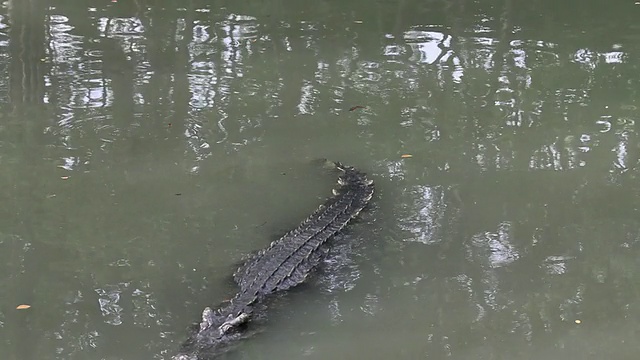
(282, 265)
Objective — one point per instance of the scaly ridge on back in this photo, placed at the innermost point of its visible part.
(285, 263)
(354, 192)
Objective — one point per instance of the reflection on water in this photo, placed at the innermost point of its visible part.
(146, 147)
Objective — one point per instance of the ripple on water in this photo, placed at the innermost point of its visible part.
(494, 248)
(108, 300)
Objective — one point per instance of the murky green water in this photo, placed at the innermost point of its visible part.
(147, 146)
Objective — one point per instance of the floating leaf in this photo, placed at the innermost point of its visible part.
(22, 307)
(406, 156)
(356, 107)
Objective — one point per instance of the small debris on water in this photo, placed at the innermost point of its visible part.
(356, 107)
(406, 156)
(22, 307)
(578, 321)
(64, 177)
(178, 194)
(358, 21)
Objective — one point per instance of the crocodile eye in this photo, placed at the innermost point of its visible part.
(224, 328)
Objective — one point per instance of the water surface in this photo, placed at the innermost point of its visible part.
(147, 147)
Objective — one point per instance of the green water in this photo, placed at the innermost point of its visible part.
(146, 147)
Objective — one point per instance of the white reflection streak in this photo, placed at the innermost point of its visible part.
(306, 98)
(429, 47)
(502, 252)
(120, 26)
(585, 57)
(426, 223)
(426, 45)
(605, 121)
(200, 33)
(556, 265)
(572, 152)
(621, 150)
(223, 130)
(395, 169)
(480, 157)
(322, 75)
(202, 82)
(519, 58)
(4, 23)
(496, 247)
(550, 161)
(614, 57)
(458, 73)
(555, 157)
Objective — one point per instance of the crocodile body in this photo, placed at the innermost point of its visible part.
(282, 265)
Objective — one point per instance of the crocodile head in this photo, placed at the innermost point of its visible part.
(216, 329)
